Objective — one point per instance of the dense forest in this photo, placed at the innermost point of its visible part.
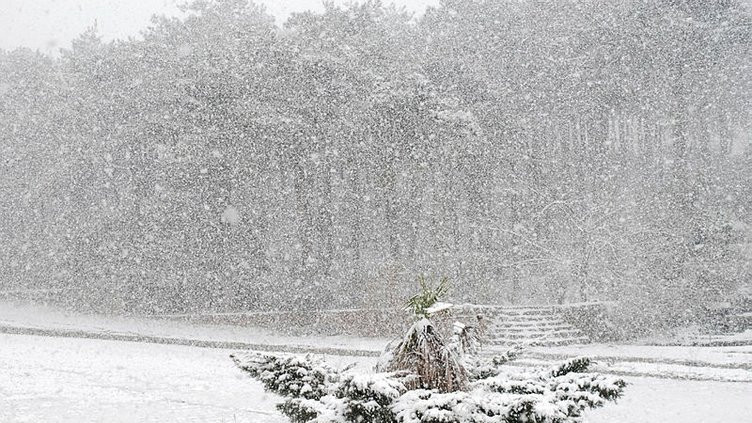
(531, 151)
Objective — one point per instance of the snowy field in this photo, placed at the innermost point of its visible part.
(78, 380)
(87, 380)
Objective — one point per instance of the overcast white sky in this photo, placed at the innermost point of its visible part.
(48, 25)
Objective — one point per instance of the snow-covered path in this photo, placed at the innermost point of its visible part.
(89, 380)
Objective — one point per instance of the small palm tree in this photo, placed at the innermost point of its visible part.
(421, 303)
(423, 351)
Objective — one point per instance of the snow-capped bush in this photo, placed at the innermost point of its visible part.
(316, 393)
(484, 369)
(293, 376)
(429, 381)
(354, 398)
(369, 397)
(564, 392)
(430, 406)
(577, 365)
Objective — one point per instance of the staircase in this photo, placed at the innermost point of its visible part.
(533, 326)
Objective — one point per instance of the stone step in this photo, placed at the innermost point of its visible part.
(509, 341)
(530, 328)
(502, 332)
(536, 335)
(534, 328)
(512, 313)
(541, 342)
(523, 328)
(505, 324)
(532, 331)
(541, 312)
(526, 324)
(541, 325)
(526, 320)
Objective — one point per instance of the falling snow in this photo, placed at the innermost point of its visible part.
(582, 169)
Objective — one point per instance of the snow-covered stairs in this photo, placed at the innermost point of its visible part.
(541, 325)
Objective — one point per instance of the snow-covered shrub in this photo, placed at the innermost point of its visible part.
(480, 406)
(479, 369)
(317, 394)
(563, 392)
(558, 395)
(429, 381)
(292, 376)
(302, 410)
(354, 398)
(430, 406)
(369, 397)
(577, 365)
(586, 390)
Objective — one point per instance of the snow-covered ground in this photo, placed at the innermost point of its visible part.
(89, 380)
(69, 379)
(86, 380)
(679, 362)
(696, 363)
(649, 400)
(730, 356)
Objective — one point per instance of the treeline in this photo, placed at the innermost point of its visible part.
(531, 151)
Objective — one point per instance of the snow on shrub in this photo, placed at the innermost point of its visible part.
(293, 376)
(483, 370)
(369, 397)
(560, 394)
(422, 379)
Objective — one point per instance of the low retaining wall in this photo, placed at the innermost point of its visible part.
(354, 322)
(590, 318)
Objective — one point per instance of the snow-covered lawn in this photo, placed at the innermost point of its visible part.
(740, 356)
(648, 400)
(85, 380)
(679, 362)
(88, 380)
